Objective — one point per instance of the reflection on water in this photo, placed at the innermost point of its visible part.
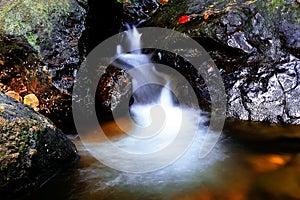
(235, 169)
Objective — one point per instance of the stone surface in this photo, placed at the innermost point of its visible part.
(256, 48)
(32, 149)
(113, 87)
(139, 12)
(40, 51)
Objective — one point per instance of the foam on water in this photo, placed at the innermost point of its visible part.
(158, 125)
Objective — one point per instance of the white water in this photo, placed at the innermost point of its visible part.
(162, 134)
(188, 177)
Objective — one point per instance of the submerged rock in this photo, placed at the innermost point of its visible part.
(268, 186)
(32, 149)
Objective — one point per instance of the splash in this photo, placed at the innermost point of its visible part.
(153, 106)
(159, 132)
(144, 71)
(160, 128)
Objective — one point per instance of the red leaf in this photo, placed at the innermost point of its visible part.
(184, 19)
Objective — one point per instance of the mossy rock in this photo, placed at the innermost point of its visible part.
(32, 149)
(33, 19)
(40, 51)
(50, 27)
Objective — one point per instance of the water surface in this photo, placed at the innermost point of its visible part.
(250, 161)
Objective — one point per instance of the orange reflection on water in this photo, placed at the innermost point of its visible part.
(269, 162)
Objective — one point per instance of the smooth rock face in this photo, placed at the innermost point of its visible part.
(256, 48)
(32, 149)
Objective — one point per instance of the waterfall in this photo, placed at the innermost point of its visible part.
(160, 131)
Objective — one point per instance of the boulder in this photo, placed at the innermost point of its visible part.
(256, 48)
(40, 51)
(32, 149)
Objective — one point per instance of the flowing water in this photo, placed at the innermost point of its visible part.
(250, 161)
(238, 168)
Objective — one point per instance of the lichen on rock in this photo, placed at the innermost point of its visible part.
(32, 149)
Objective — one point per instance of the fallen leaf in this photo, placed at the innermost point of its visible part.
(31, 100)
(163, 1)
(207, 14)
(184, 19)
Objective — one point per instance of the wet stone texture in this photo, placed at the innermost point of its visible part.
(256, 48)
(139, 12)
(32, 149)
(40, 51)
(114, 86)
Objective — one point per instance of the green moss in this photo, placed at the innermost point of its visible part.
(31, 18)
(279, 8)
(39, 134)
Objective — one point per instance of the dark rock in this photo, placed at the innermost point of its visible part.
(114, 86)
(32, 149)
(139, 12)
(24, 73)
(103, 21)
(254, 44)
(40, 51)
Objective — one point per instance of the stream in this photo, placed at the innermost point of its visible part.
(237, 168)
(256, 48)
(249, 161)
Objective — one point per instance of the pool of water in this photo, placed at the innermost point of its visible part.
(250, 161)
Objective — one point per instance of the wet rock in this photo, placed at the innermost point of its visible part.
(238, 40)
(32, 149)
(138, 12)
(253, 44)
(103, 21)
(270, 95)
(40, 51)
(113, 87)
(23, 72)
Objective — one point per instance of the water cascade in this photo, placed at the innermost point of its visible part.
(157, 131)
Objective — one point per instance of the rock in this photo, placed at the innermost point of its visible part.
(103, 21)
(139, 12)
(40, 51)
(113, 87)
(32, 149)
(256, 48)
